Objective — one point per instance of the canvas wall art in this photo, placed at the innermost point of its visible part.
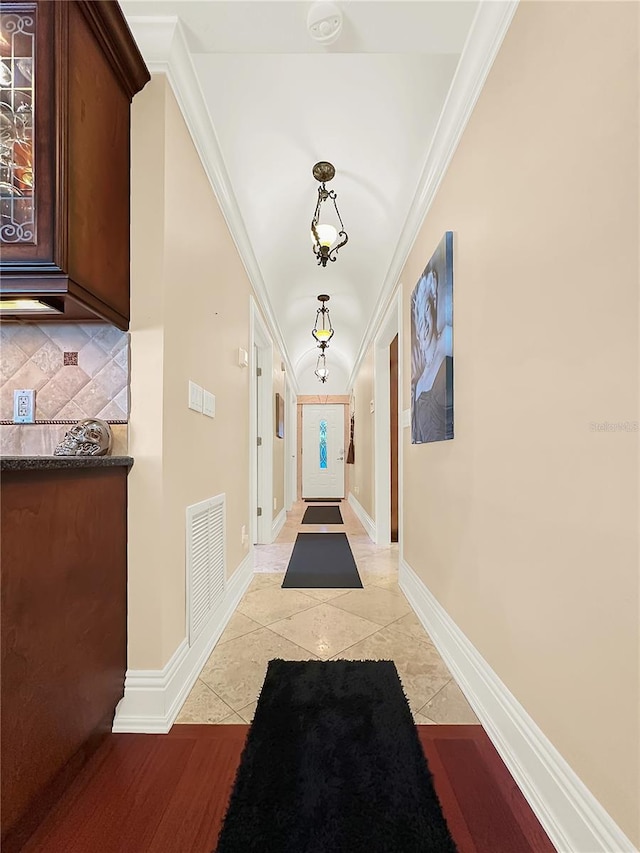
(432, 348)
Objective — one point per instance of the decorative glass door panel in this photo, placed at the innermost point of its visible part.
(323, 451)
(17, 178)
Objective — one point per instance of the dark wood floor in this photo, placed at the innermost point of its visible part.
(168, 794)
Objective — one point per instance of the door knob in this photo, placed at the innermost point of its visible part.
(340, 458)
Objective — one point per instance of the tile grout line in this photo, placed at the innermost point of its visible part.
(214, 693)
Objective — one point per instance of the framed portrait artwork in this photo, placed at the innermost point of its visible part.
(432, 348)
(279, 416)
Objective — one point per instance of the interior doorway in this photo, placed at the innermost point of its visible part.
(393, 411)
(323, 451)
(388, 447)
(261, 429)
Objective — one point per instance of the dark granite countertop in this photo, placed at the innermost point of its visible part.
(41, 463)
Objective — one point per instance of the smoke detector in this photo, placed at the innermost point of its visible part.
(324, 22)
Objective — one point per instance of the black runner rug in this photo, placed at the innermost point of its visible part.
(322, 515)
(322, 560)
(333, 764)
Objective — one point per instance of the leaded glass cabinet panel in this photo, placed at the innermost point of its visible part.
(17, 104)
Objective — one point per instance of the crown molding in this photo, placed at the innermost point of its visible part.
(163, 45)
(490, 25)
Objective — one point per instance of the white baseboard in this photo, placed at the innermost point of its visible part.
(278, 524)
(572, 817)
(153, 698)
(365, 519)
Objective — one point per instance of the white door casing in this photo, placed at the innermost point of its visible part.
(323, 478)
(260, 426)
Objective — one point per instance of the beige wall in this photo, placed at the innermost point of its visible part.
(190, 313)
(361, 474)
(278, 443)
(525, 526)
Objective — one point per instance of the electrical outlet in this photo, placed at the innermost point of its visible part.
(275, 503)
(24, 406)
(244, 539)
(356, 490)
(195, 397)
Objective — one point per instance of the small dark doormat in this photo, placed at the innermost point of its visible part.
(332, 764)
(322, 515)
(322, 560)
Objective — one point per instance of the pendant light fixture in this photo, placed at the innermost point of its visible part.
(325, 237)
(321, 370)
(323, 330)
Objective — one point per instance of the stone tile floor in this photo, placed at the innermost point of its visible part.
(373, 623)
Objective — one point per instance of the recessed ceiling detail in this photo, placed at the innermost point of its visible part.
(369, 104)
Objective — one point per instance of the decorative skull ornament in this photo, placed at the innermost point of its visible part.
(89, 437)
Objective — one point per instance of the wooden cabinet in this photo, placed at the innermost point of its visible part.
(63, 625)
(69, 72)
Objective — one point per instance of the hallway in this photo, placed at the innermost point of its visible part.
(373, 623)
(169, 793)
(439, 324)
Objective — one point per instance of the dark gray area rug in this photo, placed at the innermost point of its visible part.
(322, 515)
(322, 560)
(333, 764)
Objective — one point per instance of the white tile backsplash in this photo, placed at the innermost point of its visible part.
(32, 356)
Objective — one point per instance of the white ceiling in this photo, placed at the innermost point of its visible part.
(279, 102)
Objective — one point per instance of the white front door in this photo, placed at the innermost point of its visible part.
(323, 451)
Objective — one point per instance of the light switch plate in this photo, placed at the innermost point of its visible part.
(195, 397)
(243, 358)
(24, 406)
(406, 418)
(209, 405)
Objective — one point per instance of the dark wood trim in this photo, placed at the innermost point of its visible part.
(77, 302)
(60, 237)
(112, 31)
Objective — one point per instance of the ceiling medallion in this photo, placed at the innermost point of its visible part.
(326, 238)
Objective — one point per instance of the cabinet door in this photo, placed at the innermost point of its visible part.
(27, 136)
(97, 171)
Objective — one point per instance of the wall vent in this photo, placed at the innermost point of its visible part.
(205, 562)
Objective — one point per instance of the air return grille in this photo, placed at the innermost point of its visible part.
(205, 561)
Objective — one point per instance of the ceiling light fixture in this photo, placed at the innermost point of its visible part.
(323, 330)
(323, 234)
(321, 371)
(31, 306)
(324, 22)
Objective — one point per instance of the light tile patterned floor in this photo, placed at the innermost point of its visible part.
(374, 623)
